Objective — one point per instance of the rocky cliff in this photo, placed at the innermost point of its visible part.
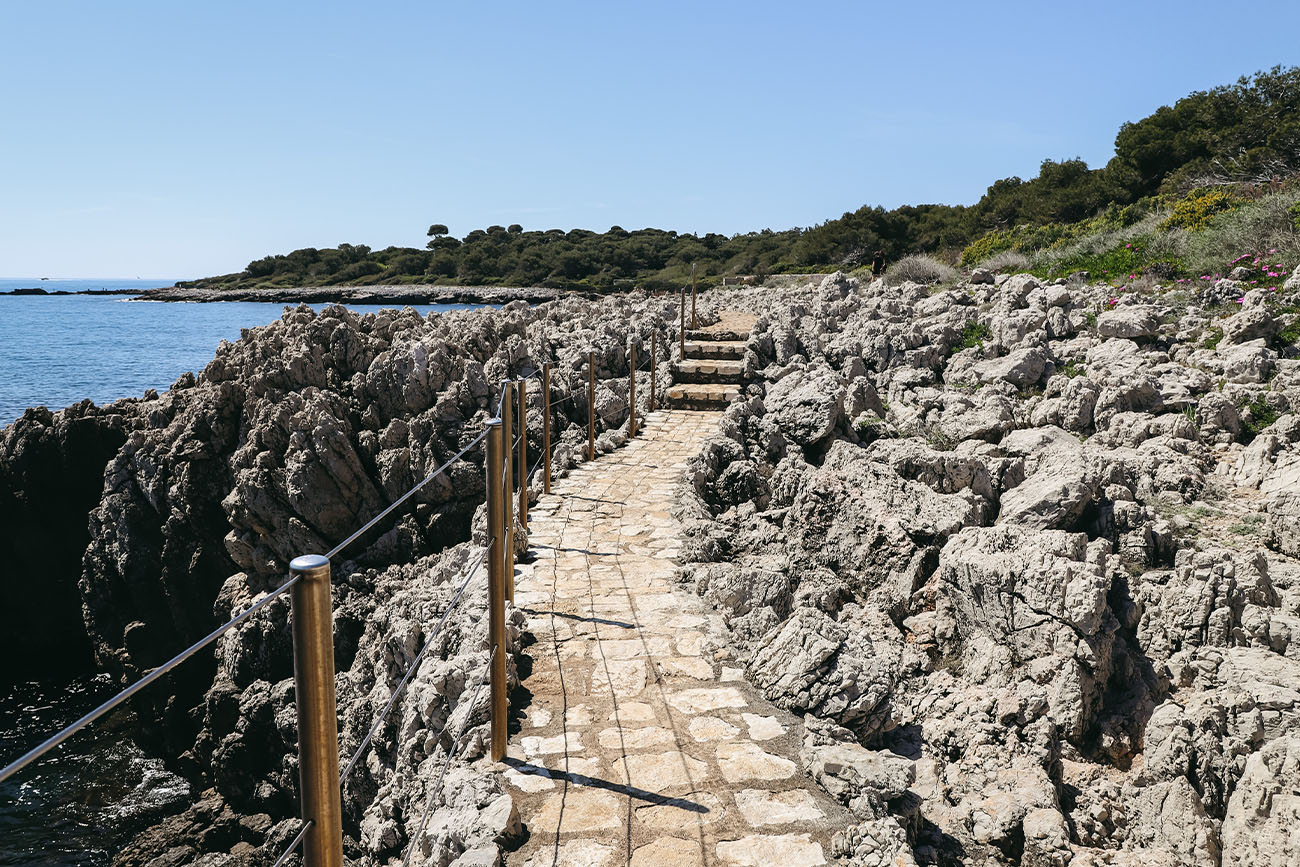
(173, 512)
(1040, 541)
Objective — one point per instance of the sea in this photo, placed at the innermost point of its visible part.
(86, 799)
(57, 350)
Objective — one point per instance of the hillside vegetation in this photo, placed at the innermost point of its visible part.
(1225, 159)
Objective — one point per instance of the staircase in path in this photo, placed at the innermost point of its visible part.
(641, 743)
(711, 376)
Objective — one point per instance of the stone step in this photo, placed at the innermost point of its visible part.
(715, 349)
(708, 370)
(717, 334)
(702, 395)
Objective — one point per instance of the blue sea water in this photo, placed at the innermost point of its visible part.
(58, 350)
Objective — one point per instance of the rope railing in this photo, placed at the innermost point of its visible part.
(310, 587)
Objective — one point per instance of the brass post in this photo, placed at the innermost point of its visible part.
(694, 323)
(546, 427)
(591, 406)
(318, 716)
(523, 455)
(654, 365)
(496, 516)
(682, 330)
(507, 421)
(631, 390)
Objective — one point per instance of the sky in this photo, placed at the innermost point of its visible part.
(184, 139)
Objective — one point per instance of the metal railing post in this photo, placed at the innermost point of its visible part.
(694, 322)
(682, 331)
(508, 489)
(546, 427)
(496, 517)
(318, 717)
(631, 390)
(654, 365)
(591, 406)
(523, 454)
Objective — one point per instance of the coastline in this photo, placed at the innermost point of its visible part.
(411, 294)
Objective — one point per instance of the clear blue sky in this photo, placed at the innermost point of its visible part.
(177, 139)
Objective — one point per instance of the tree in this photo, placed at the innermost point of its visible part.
(515, 229)
(437, 230)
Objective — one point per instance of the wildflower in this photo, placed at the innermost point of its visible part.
(1128, 246)
(1239, 300)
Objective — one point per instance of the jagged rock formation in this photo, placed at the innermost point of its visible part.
(1024, 555)
(181, 509)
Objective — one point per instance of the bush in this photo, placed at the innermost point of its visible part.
(919, 269)
(974, 334)
(1195, 210)
(1006, 262)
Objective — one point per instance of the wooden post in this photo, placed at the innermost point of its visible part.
(546, 427)
(654, 365)
(496, 515)
(631, 389)
(682, 330)
(507, 496)
(523, 454)
(591, 406)
(694, 322)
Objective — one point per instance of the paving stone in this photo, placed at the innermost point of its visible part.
(669, 850)
(635, 738)
(683, 666)
(762, 728)
(710, 728)
(745, 761)
(662, 771)
(582, 810)
(761, 807)
(692, 701)
(567, 742)
(685, 813)
(787, 850)
(574, 853)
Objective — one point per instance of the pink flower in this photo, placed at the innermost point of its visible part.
(1239, 300)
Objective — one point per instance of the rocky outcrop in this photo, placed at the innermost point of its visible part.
(1039, 604)
(183, 508)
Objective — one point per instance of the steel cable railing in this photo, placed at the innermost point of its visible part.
(306, 826)
(43, 748)
(451, 749)
(397, 691)
(402, 499)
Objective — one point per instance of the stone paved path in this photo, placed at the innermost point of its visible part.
(641, 745)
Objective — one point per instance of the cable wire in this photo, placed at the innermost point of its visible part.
(293, 845)
(428, 807)
(356, 757)
(402, 499)
(35, 753)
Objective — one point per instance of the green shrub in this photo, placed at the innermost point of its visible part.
(919, 269)
(1262, 414)
(1212, 338)
(974, 334)
(1195, 210)
(1072, 369)
(1294, 211)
